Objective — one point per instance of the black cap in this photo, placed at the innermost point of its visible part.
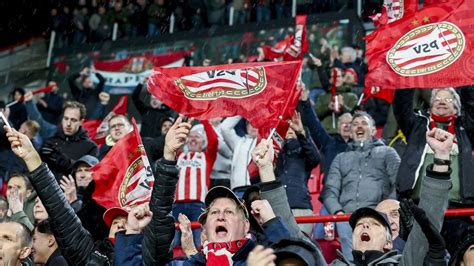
(369, 212)
(458, 248)
(291, 248)
(87, 159)
(221, 192)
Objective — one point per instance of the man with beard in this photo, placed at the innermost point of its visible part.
(362, 176)
(372, 234)
(70, 142)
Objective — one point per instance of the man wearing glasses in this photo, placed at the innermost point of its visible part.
(119, 126)
(449, 111)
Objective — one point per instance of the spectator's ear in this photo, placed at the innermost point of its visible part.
(388, 246)
(24, 253)
(51, 241)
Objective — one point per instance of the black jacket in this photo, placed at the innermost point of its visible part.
(56, 259)
(88, 97)
(414, 127)
(295, 162)
(151, 117)
(52, 113)
(75, 242)
(160, 232)
(67, 149)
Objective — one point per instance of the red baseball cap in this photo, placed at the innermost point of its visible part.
(112, 213)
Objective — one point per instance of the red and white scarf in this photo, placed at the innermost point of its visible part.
(450, 120)
(220, 254)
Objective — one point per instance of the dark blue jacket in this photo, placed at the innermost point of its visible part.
(295, 162)
(128, 248)
(52, 113)
(328, 145)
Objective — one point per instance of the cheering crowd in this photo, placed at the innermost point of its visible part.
(87, 187)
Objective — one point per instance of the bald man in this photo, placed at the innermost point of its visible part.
(390, 208)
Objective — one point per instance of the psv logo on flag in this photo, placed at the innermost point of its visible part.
(214, 84)
(426, 49)
(137, 183)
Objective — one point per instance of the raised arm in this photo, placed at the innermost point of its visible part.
(139, 104)
(312, 122)
(76, 244)
(434, 196)
(403, 110)
(212, 145)
(75, 90)
(228, 132)
(159, 234)
(47, 129)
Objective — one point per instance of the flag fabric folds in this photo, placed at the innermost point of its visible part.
(98, 129)
(429, 48)
(292, 47)
(124, 176)
(260, 92)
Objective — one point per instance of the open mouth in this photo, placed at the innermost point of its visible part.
(365, 237)
(360, 133)
(221, 231)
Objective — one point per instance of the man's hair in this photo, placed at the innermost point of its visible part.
(456, 102)
(359, 113)
(28, 185)
(25, 233)
(33, 126)
(343, 116)
(44, 227)
(351, 51)
(120, 115)
(75, 105)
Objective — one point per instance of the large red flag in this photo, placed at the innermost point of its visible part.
(124, 176)
(430, 48)
(260, 92)
(98, 129)
(292, 47)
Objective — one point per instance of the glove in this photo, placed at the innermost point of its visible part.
(406, 218)
(437, 246)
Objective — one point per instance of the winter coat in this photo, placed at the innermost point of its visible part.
(88, 97)
(362, 176)
(414, 128)
(56, 259)
(67, 149)
(434, 201)
(294, 165)
(151, 117)
(242, 152)
(329, 145)
(75, 242)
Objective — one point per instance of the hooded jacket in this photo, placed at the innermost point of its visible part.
(362, 176)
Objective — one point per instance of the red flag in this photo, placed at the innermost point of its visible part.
(98, 129)
(430, 48)
(292, 47)
(260, 92)
(124, 176)
(386, 95)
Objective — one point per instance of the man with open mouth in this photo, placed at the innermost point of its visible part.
(372, 242)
